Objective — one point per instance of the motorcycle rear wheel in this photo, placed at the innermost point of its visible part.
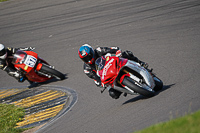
(48, 70)
(132, 85)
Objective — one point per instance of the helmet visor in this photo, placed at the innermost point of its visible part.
(88, 57)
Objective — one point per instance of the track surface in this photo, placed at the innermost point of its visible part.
(166, 34)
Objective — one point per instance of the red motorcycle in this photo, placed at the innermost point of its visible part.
(33, 67)
(126, 76)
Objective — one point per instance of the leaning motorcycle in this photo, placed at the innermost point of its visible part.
(33, 67)
(127, 76)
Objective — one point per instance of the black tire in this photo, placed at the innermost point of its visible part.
(48, 70)
(159, 84)
(131, 84)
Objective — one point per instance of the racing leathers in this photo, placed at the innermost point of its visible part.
(7, 66)
(90, 70)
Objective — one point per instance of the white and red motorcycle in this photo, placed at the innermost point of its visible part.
(33, 67)
(127, 76)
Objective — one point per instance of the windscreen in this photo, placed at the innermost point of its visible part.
(100, 63)
(19, 57)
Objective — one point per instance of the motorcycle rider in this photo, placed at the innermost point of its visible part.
(89, 55)
(5, 61)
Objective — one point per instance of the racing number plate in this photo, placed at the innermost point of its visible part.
(30, 61)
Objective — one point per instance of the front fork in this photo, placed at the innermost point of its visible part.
(135, 78)
(38, 69)
(128, 74)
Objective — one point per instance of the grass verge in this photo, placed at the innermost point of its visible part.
(3, 0)
(186, 124)
(9, 116)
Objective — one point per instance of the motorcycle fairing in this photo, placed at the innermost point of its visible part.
(108, 68)
(27, 61)
(143, 72)
(140, 71)
(32, 76)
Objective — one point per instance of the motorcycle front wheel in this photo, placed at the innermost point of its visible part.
(159, 84)
(50, 71)
(130, 83)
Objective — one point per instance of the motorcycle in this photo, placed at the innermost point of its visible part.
(126, 76)
(33, 67)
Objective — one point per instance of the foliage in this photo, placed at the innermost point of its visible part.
(187, 124)
(2, 0)
(9, 116)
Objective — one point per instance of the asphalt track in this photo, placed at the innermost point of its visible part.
(166, 34)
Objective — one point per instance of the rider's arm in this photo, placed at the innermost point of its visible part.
(10, 70)
(91, 73)
(4, 67)
(11, 51)
(17, 75)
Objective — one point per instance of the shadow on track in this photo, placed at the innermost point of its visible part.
(36, 84)
(140, 97)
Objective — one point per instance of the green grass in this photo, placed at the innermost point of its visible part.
(9, 116)
(3, 0)
(187, 124)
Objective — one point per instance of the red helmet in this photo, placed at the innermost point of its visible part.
(87, 54)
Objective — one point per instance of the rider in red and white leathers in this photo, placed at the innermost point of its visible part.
(89, 55)
(5, 61)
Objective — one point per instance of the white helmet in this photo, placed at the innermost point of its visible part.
(3, 53)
